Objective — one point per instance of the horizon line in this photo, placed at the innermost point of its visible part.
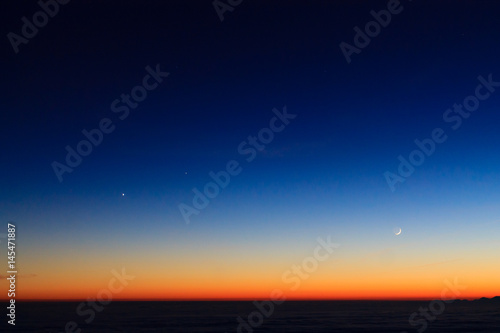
(402, 299)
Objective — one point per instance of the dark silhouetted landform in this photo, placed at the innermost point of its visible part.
(495, 299)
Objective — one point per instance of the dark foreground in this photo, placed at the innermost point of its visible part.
(291, 316)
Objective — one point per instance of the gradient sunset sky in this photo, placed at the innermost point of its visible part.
(322, 176)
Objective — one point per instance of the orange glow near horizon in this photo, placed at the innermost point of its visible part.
(398, 273)
(318, 289)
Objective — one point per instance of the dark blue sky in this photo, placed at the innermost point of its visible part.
(226, 77)
(353, 120)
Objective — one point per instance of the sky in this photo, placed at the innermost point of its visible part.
(326, 165)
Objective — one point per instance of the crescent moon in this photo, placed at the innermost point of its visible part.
(399, 232)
